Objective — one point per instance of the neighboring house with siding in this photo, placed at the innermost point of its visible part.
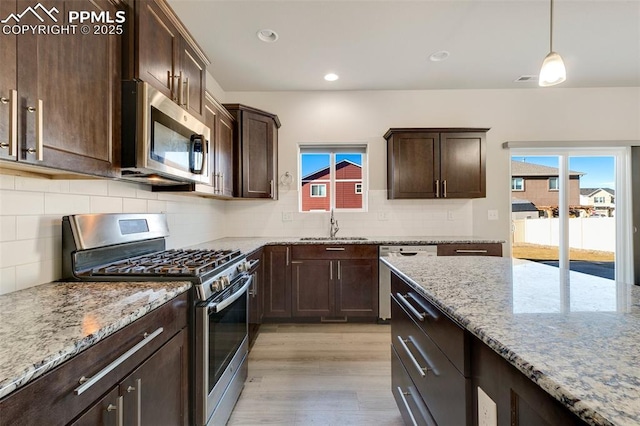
(316, 187)
(539, 184)
(602, 200)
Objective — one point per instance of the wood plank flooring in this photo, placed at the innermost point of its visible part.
(319, 374)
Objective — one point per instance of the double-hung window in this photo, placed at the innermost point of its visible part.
(517, 184)
(333, 177)
(554, 184)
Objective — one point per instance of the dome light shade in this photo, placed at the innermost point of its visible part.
(553, 71)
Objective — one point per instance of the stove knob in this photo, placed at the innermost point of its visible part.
(225, 282)
(216, 286)
(243, 267)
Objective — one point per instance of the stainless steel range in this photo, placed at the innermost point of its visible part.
(132, 247)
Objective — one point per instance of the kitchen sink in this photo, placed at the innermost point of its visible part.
(333, 239)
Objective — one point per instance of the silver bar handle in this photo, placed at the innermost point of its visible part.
(339, 271)
(471, 251)
(86, 383)
(419, 315)
(287, 256)
(187, 91)
(12, 141)
(335, 249)
(406, 404)
(170, 78)
(421, 370)
(427, 310)
(331, 270)
(437, 188)
(222, 181)
(271, 188)
(180, 90)
(139, 402)
(444, 188)
(118, 409)
(39, 129)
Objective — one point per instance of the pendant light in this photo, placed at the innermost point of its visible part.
(552, 71)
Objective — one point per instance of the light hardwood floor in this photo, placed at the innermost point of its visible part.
(319, 374)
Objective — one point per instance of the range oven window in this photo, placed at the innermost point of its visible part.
(227, 330)
(170, 141)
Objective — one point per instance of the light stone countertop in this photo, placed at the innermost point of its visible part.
(43, 326)
(250, 244)
(577, 336)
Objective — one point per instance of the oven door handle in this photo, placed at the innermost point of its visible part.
(217, 307)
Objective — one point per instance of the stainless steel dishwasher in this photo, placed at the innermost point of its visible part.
(384, 281)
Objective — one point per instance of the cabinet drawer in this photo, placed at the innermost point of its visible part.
(54, 392)
(442, 386)
(413, 409)
(449, 337)
(334, 251)
(491, 249)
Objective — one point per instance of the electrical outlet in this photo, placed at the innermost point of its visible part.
(451, 215)
(487, 410)
(492, 214)
(287, 216)
(383, 215)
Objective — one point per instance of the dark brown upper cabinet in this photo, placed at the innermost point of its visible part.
(436, 163)
(221, 124)
(166, 56)
(256, 152)
(60, 95)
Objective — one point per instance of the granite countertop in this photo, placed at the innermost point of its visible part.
(577, 336)
(250, 244)
(43, 326)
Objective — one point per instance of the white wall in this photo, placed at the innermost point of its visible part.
(31, 211)
(552, 114)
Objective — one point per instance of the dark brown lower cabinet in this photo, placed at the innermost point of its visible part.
(277, 283)
(357, 288)
(148, 387)
(313, 288)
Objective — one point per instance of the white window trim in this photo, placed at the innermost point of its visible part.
(515, 189)
(323, 185)
(332, 150)
(622, 155)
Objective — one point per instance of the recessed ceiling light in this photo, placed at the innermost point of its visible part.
(268, 36)
(331, 77)
(439, 56)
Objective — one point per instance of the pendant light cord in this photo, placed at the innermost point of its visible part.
(551, 28)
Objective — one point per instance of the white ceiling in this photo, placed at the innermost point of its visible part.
(385, 44)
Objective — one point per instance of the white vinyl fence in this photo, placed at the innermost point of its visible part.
(589, 233)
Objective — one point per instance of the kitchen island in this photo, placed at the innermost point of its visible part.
(575, 336)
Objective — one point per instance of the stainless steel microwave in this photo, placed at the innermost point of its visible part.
(162, 144)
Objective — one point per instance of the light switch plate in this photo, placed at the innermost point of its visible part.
(487, 410)
(287, 216)
(383, 215)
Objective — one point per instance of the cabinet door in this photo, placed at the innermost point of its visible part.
(8, 83)
(413, 165)
(462, 165)
(156, 392)
(258, 170)
(105, 412)
(224, 154)
(77, 78)
(193, 72)
(158, 49)
(357, 288)
(313, 288)
(277, 284)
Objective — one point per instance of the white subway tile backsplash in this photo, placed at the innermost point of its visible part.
(144, 192)
(155, 206)
(33, 274)
(63, 204)
(7, 228)
(122, 189)
(21, 203)
(7, 280)
(106, 205)
(41, 185)
(35, 227)
(7, 182)
(89, 187)
(134, 205)
(20, 252)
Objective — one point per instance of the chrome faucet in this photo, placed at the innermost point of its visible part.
(334, 226)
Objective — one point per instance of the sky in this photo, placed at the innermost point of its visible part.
(599, 172)
(314, 162)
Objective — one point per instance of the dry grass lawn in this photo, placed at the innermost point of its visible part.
(540, 252)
